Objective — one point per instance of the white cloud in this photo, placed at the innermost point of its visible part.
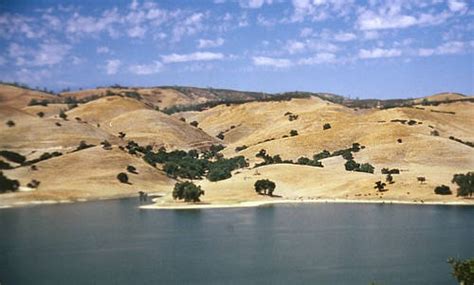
(146, 69)
(344, 37)
(306, 32)
(80, 25)
(455, 47)
(50, 54)
(273, 62)
(203, 43)
(295, 46)
(378, 53)
(391, 18)
(189, 26)
(103, 49)
(195, 56)
(457, 6)
(253, 4)
(136, 32)
(319, 59)
(112, 66)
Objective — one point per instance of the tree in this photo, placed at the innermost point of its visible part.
(188, 191)
(121, 135)
(326, 126)
(132, 169)
(220, 136)
(463, 270)
(380, 186)
(8, 184)
(106, 145)
(194, 124)
(365, 167)
(389, 178)
(351, 165)
(40, 114)
(123, 177)
(442, 190)
(13, 156)
(465, 183)
(265, 186)
(293, 133)
(421, 179)
(62, 115)
(10, 123)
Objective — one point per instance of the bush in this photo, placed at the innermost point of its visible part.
(442, 190)
(5, 165)
(123, 177)
(240, 148)
(7, 185)
(10, 123)
(265, 187)
(351, 165)
(187, 191)
(33, 184)
(13, 156)
(293, 133)
(132, 169)
(326, 126)
(323, 154)
(83, 145)
(62, 115)
(220, 136)
(194, 124)
(106, 145)
(40, 114)
(366, 167)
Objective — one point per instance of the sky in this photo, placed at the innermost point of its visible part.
(364, 49)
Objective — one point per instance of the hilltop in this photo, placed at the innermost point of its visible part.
(76, 143)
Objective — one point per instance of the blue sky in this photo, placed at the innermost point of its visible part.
(366, 49)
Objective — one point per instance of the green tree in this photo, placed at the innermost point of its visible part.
(326, 126)
(265, 187)
(463, 270)
(62, 115)
(442, 190)
(194, 124)
(188, 191)
(7, 185)
(293, 133)
(465, 183)
(351, 165)
(123, 177)
(10, 123)
(380, 186)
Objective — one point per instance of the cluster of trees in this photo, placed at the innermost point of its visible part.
(264, 187)
(187, 191)
(8, 185)
(83, 145)
(44, 156)
(351, 165)
(465, 184)
(13, 156)
(463, 270)
(471, 144)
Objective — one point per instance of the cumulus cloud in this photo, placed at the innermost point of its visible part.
(272, 62)
(344, 37)
(50, 54)
(188, 26)
(319, 58)
(195, 56)
(146, 69)
(253, 4)
(79, 25)
(378, 53)
(455, 47)
(203, 43)
(112, 66)
(457, 6)
(295, 47)
(136, 32)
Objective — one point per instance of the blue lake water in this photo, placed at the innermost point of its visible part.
(113, 242)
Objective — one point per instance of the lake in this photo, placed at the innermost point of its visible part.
(113, 242)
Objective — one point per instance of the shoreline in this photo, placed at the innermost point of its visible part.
(249, 204)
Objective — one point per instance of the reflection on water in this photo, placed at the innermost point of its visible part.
(115, 242)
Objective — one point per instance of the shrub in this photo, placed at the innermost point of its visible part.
(443, 190)
(132, 169)
(13, 156)
(326, 126)
(194, 124)
(187, 191)
(58, 124)
(366, 167)
(40, 114)
(399, 140)
(240, 148)
(390, 171)
(293, 133)
(220, 136)
(323, 154)
(7, 185)
(265, 187)
(351, 165)
(463, 270)
(123, 177)
(389, 178)
(33, 184)
(380, 186)
(106, 145)
(5, 165)
(62, 115)
(10, 123)
(435, 133)
(83, 145)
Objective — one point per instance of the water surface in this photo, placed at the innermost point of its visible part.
(113, 242)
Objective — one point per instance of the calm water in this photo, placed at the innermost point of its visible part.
(113, 242)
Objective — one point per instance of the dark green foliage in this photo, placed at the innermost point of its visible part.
(471, 144)
(187, 191)
(133, 94)
(33, 184)
(44, 156)
(265, 187)
(186, 167)
(62, 115)
(194, 124)
(465, 184)
(83, 145)
(35, 102)
(13, 156)
(411, 122)
(106, 145)
(222, 168)
(463, 270)
(123, 177)
(390, 171)
(7, 185)
(351, 165)
(326, 126)
(443, 190)
(323, 154)
(366, 167)
(213, 152)
(40, 114)
(132, 169)
(380, 186)
(293, 133)
(240, 148)
(10, 123)
(5, 165)
(347, 155)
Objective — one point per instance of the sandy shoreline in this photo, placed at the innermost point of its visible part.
(297, 201)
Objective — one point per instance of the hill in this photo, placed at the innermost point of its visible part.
(17, 97)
